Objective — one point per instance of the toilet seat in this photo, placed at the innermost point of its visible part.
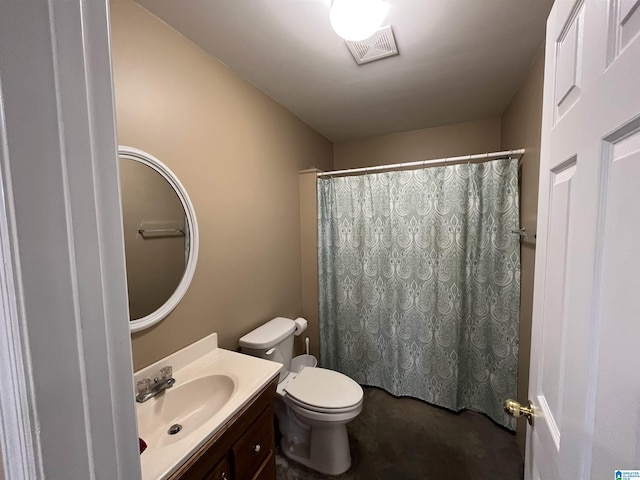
(324, 391)
(313, 408)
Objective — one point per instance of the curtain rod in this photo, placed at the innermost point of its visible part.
(421, 163)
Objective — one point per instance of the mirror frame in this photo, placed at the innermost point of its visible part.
(134, 154)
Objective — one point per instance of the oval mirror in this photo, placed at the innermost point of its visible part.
(160, 237)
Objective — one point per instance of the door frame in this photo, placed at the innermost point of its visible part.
(65, 352)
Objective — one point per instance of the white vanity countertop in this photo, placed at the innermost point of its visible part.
(164, 454)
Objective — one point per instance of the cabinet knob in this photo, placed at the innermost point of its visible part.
(224, 476)
(256, 447)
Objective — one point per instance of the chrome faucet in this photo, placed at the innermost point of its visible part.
(146, 389)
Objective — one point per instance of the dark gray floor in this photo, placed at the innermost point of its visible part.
(406, 439)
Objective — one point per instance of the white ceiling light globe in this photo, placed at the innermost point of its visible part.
(357, 20)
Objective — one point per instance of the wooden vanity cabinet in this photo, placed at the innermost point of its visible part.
(244, 449)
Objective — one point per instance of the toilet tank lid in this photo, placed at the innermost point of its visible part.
(269, 334)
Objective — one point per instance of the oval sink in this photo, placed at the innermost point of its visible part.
(188, 405)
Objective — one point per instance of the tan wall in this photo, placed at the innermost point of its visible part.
(521, 124)
(480, 136)
(155, 265)
(238, 154)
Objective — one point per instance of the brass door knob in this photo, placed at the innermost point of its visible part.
(513, 408)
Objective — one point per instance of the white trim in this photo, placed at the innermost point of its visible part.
(134, 154)
(63, 109)
(18, 416)
(552, 426)
(66, 402)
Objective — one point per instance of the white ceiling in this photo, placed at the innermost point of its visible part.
(459, 60)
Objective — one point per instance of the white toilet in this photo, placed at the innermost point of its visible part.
(312, 406)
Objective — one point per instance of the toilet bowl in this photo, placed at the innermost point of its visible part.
(313, 406)
(322, 402)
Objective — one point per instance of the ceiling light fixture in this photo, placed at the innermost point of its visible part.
(357, 20)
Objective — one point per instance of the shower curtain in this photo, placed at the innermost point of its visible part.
(419, 275)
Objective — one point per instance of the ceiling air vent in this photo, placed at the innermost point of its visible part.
(379, 45)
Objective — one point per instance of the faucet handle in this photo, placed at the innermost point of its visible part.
(143, 386)
(166, 372)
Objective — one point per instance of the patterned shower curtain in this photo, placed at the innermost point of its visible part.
(420, 283)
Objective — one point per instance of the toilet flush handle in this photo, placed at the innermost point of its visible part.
(269, 352)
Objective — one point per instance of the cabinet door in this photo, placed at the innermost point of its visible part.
(221, 471)
(254, 447)
(268, 470)
(209, 467)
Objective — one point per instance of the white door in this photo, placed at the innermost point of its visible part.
(585, 359)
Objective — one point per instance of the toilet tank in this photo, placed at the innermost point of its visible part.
(273, 341)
